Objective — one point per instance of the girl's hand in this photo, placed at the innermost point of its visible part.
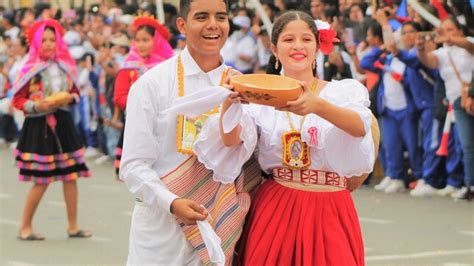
(69, 99)
(467, 103)
(307, 102)
(45, 106)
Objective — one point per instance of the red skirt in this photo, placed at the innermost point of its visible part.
(294, 227)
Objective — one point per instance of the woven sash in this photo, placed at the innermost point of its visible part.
(227, 204)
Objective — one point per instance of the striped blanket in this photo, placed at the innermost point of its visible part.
(227, 204)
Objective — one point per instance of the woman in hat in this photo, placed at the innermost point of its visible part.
(49, 148)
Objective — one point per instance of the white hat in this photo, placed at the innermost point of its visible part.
(77, 51)
(72, 38)
(242, 21)
(126, 19)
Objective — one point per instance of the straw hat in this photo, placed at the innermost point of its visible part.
(121, 40)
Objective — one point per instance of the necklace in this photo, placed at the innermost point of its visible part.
(296, 153)
(188, 129)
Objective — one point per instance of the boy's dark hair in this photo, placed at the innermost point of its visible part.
(185, 4)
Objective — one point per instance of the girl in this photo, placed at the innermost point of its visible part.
(49, 148)
(303, 214)
(149, 48)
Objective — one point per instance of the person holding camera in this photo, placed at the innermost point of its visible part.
(455, 61)
(421, 82)
(396, 109)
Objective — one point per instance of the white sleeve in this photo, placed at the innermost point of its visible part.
(345, 154)
(226, 162)
(247, 47)
(140, 148)
(83, 79)
(441, 54)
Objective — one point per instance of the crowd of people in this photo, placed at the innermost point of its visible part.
(95, 64)
(403, 60)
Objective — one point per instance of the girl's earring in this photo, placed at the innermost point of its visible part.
(276, 64)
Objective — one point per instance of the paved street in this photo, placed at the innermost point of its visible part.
(398, 229)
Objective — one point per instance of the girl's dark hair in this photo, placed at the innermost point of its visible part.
(456, 23)
(24, 43)
(376, 29)
(149, 29)
(279, 25)
(50, 28)
(86, 55)
(357, 5)
(415, 25)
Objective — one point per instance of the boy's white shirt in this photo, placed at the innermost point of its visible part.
(149, 152)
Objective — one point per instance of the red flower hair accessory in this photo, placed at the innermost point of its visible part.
(150, 21)
(326, 36)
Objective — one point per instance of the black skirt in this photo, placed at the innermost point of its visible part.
(45, 155)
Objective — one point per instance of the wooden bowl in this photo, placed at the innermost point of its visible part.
(61, 98)
(271, 90)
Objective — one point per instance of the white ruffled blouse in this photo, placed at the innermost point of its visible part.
(334, 150)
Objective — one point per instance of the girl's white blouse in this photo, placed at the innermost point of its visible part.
(263, 127)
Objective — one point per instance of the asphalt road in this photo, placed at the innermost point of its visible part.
(398, 229)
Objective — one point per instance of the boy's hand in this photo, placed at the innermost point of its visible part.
(188, 211)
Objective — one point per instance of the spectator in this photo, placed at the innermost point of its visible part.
(455, 61)
(8, 23)
(245, 48)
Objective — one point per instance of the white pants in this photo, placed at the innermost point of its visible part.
(156, 239)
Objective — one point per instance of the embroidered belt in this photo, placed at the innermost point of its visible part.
(310, 177)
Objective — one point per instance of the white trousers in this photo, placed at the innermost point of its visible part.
(156, 239)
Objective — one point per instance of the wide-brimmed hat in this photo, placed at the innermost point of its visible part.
(121, 40)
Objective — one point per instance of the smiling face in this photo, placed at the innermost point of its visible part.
(206, 27)
(296, 46)
(48, 43)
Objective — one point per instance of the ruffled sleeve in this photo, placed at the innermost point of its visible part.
(226, 162)
(344, 154)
